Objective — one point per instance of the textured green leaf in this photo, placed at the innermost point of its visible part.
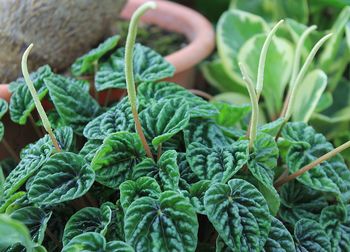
(218, 163)
(234, 28)
(185, 170)
(272, 128)
(35, 220)
(13, 232)
(262, 163)
(89, 149)
(310, 237)
(74, 105)
(86, 63)
(2, 131)
(117, 118)
(336, 222)
(65, 176)
(167, 224)
(132, 190)
(10, 200)
(22, 103)
(115, 159)
(164, 119)
(230, 114)
(88, 219)
(116, 227)
(148, 66)
(239, 214)
(331, 175)
(205, 131)
(299, 201)
(279, 239)
(165, 171)
(152, 92)
(3, 108)
(197, 192)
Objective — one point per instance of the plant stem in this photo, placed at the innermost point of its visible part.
(36, 129)
(53, 238)
(108, 95)
(301, 75)
(313, 164)
(10, 150)
(129, 74)
(253, 126)
(201, 94)
(262, 59)
(159, 152)
(39, 107)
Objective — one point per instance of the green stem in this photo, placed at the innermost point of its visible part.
(39, 107)
(129, 74)
(313, 164)
(253, 128)
(262, 59)
(301, 75)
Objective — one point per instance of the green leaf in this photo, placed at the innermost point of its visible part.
(152, 92)
(309, 94)
(299, 201)
(10, 200)
(336, 222)
(165, 171)
(197, 192)
(22, 103)
(132, 190)
(262, 163)
(117, 118)
(89, 149)
(239, 214)
(206, 132)
(64, 177)
(309, 236)
(217, 164)
(74, 105)
(162, 120)
(2, 131)
(35, 220)
(14, 232)
(279, 239)
(115, 159)
(148, 66)
(88, 219)
(86, 63)
(272, 128)
(230, 114)
(331, 175)
(167, 224)
(277, 71)
(3, 108)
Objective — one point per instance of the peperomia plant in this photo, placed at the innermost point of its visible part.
(165, 170)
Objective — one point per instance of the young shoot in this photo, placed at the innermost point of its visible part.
(253, 128)
(262, 59)
(313, 164)
(39, 107)
(290, 100)
(129, 74)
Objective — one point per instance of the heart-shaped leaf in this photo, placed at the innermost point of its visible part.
(164, 119)
(22, 103)
(279, 238)
(115, 159)
(306, 146)
(35, 220)
(74, 105)
(148, 66)
(167, 224)
(218, 163)
(309, 236)
(165, 171)
(86, 63)
(132, 190)
(88, 219)
(239, 213)
(117, 118)
(3, 108)
(336, 222)
(64, 177)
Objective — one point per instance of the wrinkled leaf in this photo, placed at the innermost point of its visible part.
(279, 238)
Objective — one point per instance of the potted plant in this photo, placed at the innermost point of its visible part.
(165, 170)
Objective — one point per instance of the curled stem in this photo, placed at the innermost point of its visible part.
(313, 164)
(253, 126)
(129, 74)
(300, 76)
(262, 59)
(39, 107)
